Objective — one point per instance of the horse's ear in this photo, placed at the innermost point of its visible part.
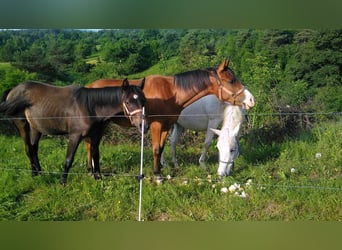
(125, 83)
(216, 131)
(236, 130)
(142, 84)
(227, 61)
(222, 66)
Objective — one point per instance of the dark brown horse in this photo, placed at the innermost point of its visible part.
(167, 96)
(39, 108)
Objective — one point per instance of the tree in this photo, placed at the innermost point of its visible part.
(13, 76)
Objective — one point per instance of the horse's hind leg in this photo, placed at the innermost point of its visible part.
(90, 162)
(31, 140)
(35, 137)
(177, 130)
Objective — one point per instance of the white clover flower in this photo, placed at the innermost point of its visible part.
(159, 181)
(318, 155)
(243, 194)
(293, 170)
(232, 188)
(224, 190)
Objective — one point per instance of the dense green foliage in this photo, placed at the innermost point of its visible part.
(295, 76)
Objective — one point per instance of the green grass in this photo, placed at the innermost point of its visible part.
(311, 191)
(5, 65)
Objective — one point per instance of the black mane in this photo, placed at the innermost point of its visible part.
(95, 97)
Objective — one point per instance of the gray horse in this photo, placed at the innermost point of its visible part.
(204, 115)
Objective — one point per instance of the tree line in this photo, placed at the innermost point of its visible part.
(286, 70)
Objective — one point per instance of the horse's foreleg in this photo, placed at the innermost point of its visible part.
(95, 141)
(159, 135)
(207, 142)
(155, 134)
(72, 147)
(213, 123)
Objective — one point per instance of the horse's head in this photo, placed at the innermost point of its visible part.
(228, 146)
(230, 89)
(133, 100)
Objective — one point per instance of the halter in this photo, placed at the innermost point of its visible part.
(227, 162)
(130, 114)
(222, 88)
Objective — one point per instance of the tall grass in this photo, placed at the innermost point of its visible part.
(298, 179)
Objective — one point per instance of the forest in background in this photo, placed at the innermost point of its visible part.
(290, 72)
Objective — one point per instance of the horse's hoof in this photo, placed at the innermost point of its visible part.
(158, 180)
(36, 172)
(163, 163)
(220, 179)
(202, 164)
(97, 176)
(63, 182)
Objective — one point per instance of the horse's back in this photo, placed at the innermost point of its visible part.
(45, 99)
(102, 83)
(155, 85)
(199, 114)
(45, 87)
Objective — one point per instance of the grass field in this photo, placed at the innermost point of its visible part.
(5, 65)
(299, 179)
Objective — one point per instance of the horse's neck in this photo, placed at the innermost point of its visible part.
(233, 116)
(106, 112)
(186, 101)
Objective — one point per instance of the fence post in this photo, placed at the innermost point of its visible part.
(141, 176)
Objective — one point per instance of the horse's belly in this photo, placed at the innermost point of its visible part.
(47, 125)
(50, 127)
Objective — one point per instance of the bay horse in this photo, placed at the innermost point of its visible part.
(167, 96)
(39, 108)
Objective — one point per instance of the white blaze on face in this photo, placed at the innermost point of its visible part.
(249, 99)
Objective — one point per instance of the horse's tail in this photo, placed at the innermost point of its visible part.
(4, 95)
(15, 104)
